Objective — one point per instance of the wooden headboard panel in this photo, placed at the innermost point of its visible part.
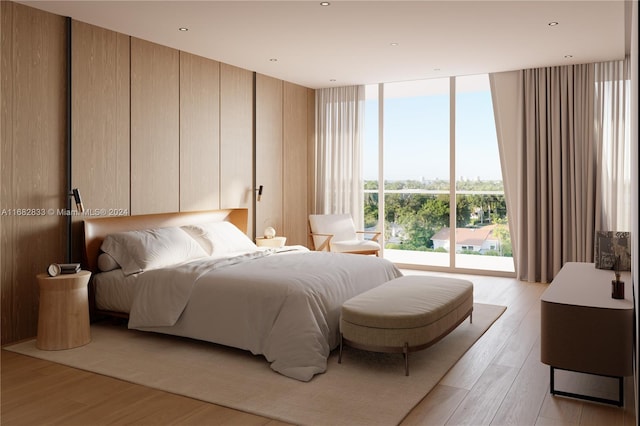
(95, 230)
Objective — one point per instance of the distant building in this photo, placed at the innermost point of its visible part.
(479, 240)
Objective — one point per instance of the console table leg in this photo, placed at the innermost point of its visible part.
(621, 391)
(619, 402)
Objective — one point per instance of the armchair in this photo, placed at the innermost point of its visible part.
(337, 233)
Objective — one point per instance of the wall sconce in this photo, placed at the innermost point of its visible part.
(75, 193)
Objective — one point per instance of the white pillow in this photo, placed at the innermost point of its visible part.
(220, 237)
(107, 263)
(138, 251)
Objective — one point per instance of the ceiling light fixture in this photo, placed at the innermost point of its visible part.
(553, 24)
(394, 44)
(325, 3)
(568, 56)
(332, 80)
(273, 60)
(183, 29)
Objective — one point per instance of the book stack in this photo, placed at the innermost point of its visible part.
(69, 268)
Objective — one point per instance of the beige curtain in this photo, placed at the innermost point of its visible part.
(338, 152)
(506, 94)
(613, 132)
(553, 178)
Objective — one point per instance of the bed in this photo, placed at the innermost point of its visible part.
(203, 278)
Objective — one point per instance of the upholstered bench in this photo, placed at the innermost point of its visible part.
(406, 314)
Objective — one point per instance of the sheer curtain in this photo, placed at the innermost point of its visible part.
(613, 130)
(553, 178)
(339, 132)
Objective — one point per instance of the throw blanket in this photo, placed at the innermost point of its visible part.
(283, 306)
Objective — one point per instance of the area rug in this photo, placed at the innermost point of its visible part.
(365, 389)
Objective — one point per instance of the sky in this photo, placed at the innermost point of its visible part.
(417, 131)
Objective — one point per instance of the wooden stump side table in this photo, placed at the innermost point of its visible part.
(63, 318)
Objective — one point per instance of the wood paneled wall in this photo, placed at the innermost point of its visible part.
(33, 116)
(269, 153)
(155, 132)
(236, 139)
(296, 184)
(100, 89)
(199, 133)
(153, 129)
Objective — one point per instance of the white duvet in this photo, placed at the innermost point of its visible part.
(283, 306)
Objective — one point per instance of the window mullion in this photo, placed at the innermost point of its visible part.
(452, 172)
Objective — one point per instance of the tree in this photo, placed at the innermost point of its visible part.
(421, 215)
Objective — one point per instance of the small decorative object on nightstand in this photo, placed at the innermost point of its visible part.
(269, 232)
(63, 319)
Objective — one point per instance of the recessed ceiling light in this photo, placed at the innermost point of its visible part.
(273, 60)
(325, 3)
(183, 29)
(436, 69)
(333, 79)
(553, 24)
(394, 44)
(568, 56)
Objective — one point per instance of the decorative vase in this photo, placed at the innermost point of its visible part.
(617, 289)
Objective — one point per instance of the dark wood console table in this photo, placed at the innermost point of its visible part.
(583, 329)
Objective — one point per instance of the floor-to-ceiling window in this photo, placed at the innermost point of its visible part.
(421, 136)
(482, 233)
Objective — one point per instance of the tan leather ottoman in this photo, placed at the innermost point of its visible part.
(406, 314)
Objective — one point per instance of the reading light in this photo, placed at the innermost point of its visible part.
(259, 192)
(75, 193)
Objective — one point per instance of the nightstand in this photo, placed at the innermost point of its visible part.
(63, 318)
(276, 242)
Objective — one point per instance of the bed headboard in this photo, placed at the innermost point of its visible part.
(96, 229)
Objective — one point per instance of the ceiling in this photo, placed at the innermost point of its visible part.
(364, 42)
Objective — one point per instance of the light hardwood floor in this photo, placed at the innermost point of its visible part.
(499, 381)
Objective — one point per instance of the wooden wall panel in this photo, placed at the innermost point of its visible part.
(199, 133)
(311, 156)
(269, 153)
(100, 123)
(100, 119)
(155, 154)
(295, 188)
(236, 139)
(33, 116)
